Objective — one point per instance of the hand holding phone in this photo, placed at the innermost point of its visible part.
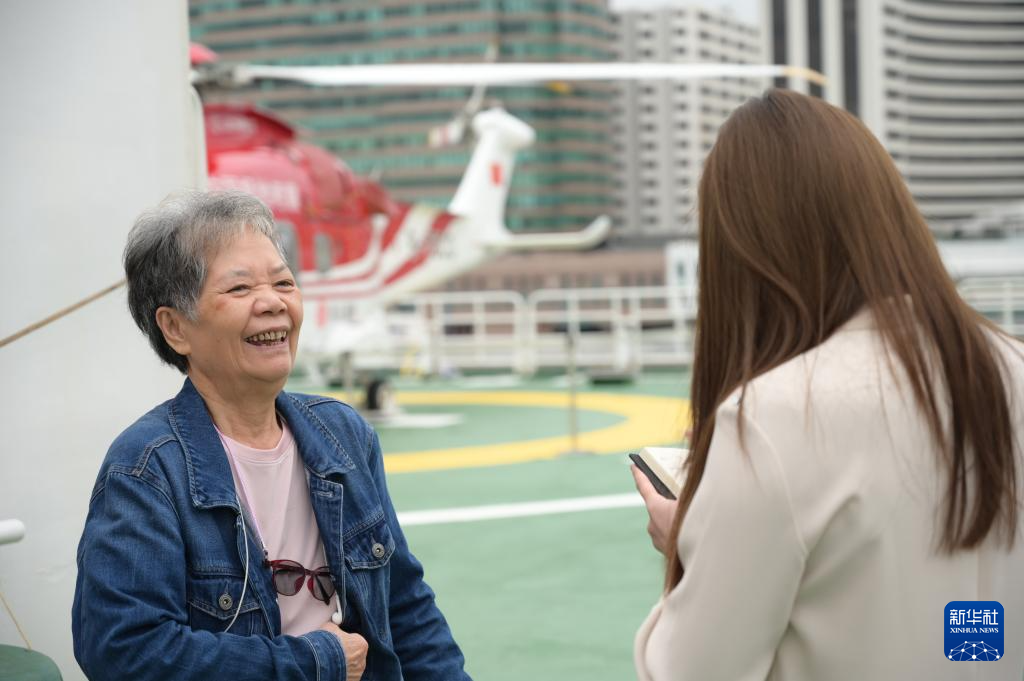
(663, 466)
(660, 510)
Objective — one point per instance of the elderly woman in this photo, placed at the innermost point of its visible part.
(239, 531)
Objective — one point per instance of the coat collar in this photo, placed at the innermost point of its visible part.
(209, 473)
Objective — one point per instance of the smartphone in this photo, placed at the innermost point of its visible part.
(648, 469)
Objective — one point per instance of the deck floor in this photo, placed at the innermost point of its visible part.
(530, 589)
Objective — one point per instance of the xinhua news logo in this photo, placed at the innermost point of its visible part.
(974, 631)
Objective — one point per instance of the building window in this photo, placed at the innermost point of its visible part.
(779, 37)
(851, 57)
(814, 42)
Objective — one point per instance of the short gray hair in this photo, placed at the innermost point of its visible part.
(165, 259)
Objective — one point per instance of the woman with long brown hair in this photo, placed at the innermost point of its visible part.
(856, 455)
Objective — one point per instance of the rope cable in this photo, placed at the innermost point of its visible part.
(61, 313)
(14, 619)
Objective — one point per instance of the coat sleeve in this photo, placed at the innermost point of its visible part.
(422, 638)
(130, 619)
(743, 558)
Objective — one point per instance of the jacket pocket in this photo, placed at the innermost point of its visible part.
(368, 550)
(371, 546)
(213, 602)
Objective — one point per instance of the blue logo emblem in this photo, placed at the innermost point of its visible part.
(974, 631)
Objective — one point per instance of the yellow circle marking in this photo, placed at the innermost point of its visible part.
(649, 420)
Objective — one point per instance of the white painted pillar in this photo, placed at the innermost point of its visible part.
(98, 123)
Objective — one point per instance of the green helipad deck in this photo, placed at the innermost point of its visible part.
(540, 559)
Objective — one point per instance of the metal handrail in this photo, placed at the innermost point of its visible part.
(638, 326)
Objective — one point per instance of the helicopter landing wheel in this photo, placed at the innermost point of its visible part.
(379, 396)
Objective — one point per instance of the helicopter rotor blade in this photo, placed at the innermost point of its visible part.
(428, 75)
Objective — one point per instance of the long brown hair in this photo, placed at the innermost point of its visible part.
(804, 220)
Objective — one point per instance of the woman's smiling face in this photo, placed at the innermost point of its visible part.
(248, 316)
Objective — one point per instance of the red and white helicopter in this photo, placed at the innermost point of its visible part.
(356, 249)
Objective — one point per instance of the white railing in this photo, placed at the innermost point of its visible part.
(617, 329)
(607, 329)
(479, 330)
(1002, 301)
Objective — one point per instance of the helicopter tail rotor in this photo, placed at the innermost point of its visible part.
(454, 131)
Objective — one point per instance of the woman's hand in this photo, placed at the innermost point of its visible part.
(660, 510)
(355, 647)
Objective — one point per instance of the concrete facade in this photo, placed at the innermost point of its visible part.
(664, 130)
(941, 84)
(561, 183)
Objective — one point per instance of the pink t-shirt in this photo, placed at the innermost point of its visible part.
(272, 484)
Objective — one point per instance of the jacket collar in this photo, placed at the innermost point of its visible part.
(321, 451)
(209, 473)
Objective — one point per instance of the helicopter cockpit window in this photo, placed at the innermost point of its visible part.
(289, 239)
(324, 251)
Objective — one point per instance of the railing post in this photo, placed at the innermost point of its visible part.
(574, 426)
(1008, 321)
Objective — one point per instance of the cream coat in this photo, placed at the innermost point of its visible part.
(812, 556)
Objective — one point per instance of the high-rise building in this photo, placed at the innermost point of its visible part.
(939, 82)
(665, 129)
(562, 182)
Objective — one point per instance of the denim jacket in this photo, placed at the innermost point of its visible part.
(162, 559)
